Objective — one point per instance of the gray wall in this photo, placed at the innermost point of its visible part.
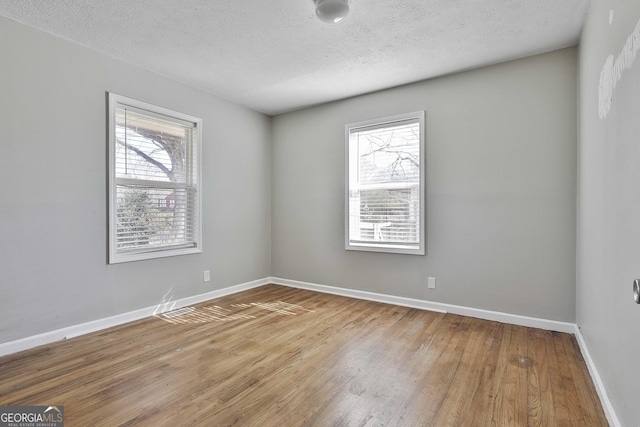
(501, 145)
(609, 202)
(53, 212)
(501, 190)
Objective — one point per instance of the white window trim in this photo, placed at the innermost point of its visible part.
(420, 248)
(153, 110)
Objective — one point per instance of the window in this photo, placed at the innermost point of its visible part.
(385, 185)
(154, 179)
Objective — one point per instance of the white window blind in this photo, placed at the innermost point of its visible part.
(154, 181)
(385, 185)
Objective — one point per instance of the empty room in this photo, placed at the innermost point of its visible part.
(320, 213)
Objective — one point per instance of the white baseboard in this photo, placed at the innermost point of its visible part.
(100, 324)
(597, 381)
(533, 322)
(97, 325)
(515, 319)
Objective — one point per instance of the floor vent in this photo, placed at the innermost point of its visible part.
(177, 313)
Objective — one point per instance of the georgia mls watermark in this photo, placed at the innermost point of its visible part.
(31, 416)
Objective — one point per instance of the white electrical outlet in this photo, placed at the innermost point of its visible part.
(205, 276)
(431, 283)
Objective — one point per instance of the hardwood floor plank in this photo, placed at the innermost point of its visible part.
(587, 397)
(484, 397)
(435, 374)
(541, 410)
(511, 399)
(277, 356)
(562, 390)
(464, 384)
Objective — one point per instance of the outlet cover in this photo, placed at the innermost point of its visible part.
(431, 283)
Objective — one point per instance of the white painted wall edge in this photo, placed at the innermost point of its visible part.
(595, 376)
(97, 325)
(533, 322)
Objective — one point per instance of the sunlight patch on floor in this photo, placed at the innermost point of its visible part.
(236, 312)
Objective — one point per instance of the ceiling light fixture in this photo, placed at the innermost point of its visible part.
(331, 11)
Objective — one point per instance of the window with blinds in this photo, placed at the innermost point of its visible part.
(385, 185)
(154, 193)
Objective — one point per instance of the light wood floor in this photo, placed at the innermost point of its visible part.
(276, 356)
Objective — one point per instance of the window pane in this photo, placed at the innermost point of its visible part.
(149, 148)
(151, 218)
(390, 154)
(390, 216)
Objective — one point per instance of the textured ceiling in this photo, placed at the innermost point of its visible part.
(275, 56)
